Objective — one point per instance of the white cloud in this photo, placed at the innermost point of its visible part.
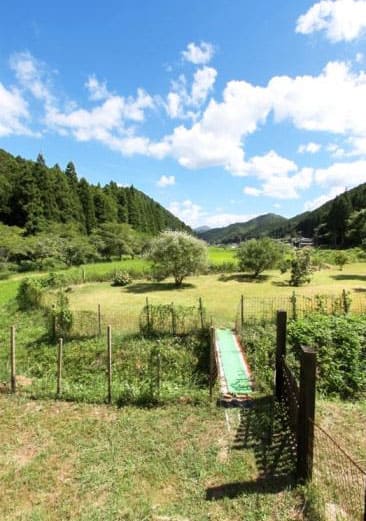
(13, 112)
(359, 57)
(187, 211)
(198, 54)
(224, 219)
(203, 83)
(166, 180)
(32, 76)
(341, 20)
(311, 148)
(271, 164)
(97, 90)
(194, 215)
(250, 190)
(342, 174)
(319, 201)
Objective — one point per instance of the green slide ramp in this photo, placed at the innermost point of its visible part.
(233, 365)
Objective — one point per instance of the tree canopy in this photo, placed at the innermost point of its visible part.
(177, 254)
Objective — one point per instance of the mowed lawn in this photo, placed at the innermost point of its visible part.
(176, 463)
(220, 293)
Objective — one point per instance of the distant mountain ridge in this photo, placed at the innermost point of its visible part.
(257, 227)
(339, 222)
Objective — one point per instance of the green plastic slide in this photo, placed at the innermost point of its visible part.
(232, 363)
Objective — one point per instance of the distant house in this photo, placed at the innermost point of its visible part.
(302, 242)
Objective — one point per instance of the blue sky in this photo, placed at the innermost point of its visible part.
(220, 110)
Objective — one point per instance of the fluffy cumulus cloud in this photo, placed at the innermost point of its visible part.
(194, 215)
(338, 174)
(97, 89)
(32, 76)
(341, 20)
(13, 112)
(198, 54)
(166, 180)
(311, 148)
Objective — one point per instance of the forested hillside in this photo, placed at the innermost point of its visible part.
(340, 222)
(258, 227)
(32, 196)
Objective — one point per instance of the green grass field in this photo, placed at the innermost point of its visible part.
(220, 293)
(85, 462)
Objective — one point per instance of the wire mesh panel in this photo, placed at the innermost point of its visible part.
(341, 482)
(291, 396)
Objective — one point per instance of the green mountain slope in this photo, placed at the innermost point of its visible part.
(33, 195)
(257, 227)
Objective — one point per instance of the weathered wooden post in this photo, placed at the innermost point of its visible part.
(158, 373)
(280, 352)
(99, 321)
(174, 324)
(201, 313)
(242, 311)
(109, 363)
(147, 314)
(59, 367)
(83, 275)
(305, 428)
(212, 360)
(13, 378)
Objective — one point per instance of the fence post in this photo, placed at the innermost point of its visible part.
(293, 302)
(212, 360)
(201, 313)
(305, 428)
(147, 313)
(99, 321)
(109, 363)
(158, 373)
(13, 378)
(174, 326)
(83, 275)
(280, 351)
(59, 366)
(242, 311)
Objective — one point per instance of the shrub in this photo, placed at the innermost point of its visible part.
(30, 294)
(257, 255)
(60, 317)
(121, 278)
(301, 268)
(340, 343)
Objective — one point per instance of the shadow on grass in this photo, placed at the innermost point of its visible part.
(281, 283)
(149, 287)
(264, 429)
(344, 276)
(242, 277)
(359, 290)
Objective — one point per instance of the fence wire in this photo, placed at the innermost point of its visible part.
(341, 481)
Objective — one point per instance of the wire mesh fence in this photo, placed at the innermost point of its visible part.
(340, 481)
(262, 309)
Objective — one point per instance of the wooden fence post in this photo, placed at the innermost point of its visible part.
(174, 325)
(147, 313)
(13, 378)
(99, 321)
(305, 428)
(59, 367)
(109, 363)
(158, 373)
(242, 311)
(201, 313)
(280, 352)
(212, 360)
(83, 275)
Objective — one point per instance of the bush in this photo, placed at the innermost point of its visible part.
(340, 343)
(257, 255)
(121, 278)
(30, 294)
(60, 317)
